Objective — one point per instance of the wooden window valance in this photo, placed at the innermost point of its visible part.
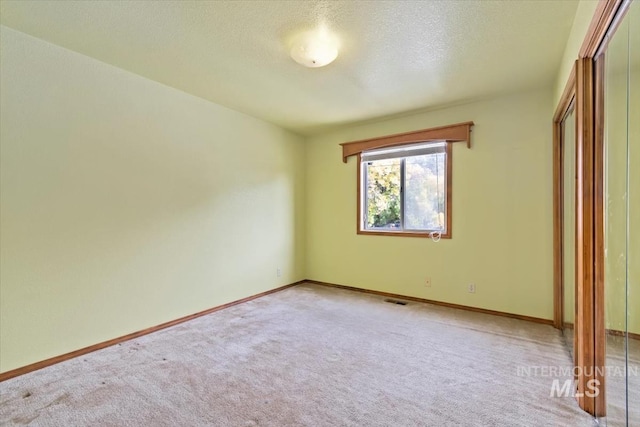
(452, 133)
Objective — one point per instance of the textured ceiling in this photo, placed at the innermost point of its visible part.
(396, 56)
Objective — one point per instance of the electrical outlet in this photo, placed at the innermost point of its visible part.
(472, 288)
(278, 272)
(427, 282)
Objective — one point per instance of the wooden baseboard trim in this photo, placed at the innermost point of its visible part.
(440, 303)
(617, 333)
(57, 359)
(613, 332)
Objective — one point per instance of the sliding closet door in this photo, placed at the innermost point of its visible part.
(568, 148)
(633, 213)
(622, 221)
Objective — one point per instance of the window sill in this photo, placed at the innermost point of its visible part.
(426, 234)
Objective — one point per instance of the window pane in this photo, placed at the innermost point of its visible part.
(383, 194)
(425, 192)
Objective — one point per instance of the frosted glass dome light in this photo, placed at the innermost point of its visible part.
(314, 49)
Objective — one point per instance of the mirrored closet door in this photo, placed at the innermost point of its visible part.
(620, 69)
(568, 148)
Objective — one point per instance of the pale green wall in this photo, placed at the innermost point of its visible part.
(502, 222)
(126, 203)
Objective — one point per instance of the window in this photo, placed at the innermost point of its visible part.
(406, 190)
(404, 181)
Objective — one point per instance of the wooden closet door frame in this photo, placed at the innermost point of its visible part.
(579, 92)
(589, 325)
(585, 323)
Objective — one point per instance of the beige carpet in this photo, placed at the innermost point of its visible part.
(623, 392)
(308, 356)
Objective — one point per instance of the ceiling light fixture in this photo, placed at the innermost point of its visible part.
(314, 49)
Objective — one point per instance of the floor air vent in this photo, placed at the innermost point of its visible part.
(395, 301)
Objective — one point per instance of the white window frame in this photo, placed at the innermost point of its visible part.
(404, 152)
